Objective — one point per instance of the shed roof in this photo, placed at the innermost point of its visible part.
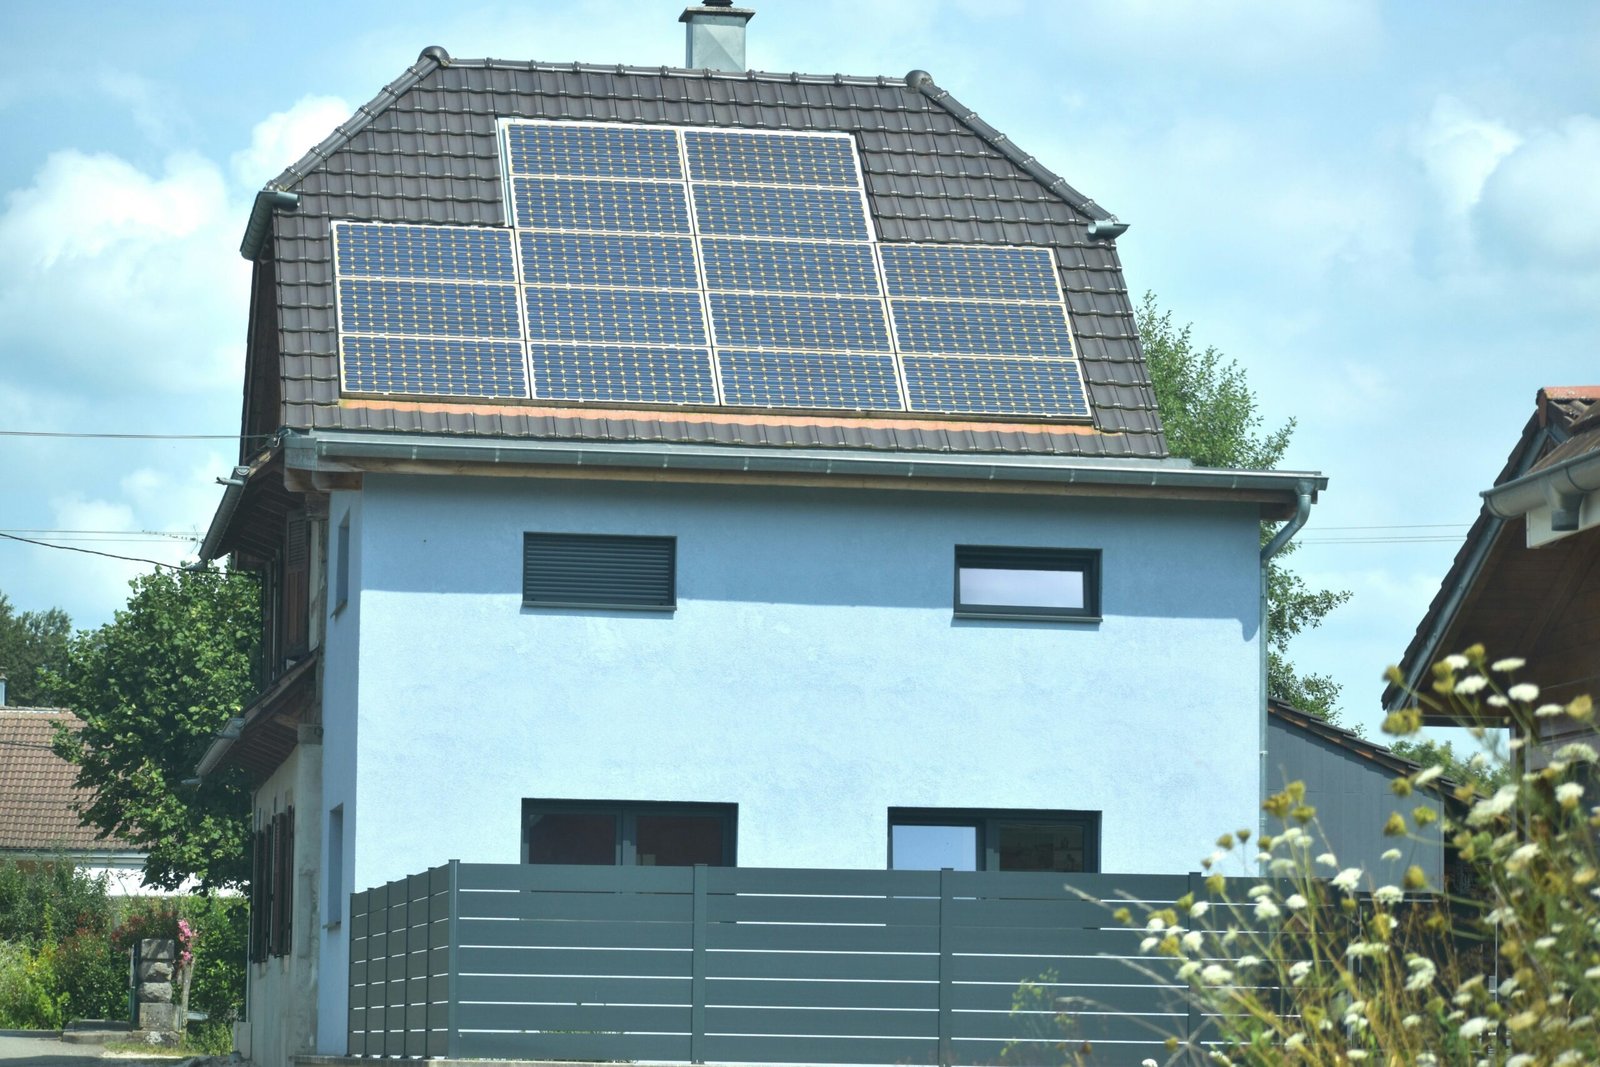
(39, 801)
(424, 150)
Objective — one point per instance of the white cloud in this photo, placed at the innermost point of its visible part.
(282, 138)
(1247, 36)
(1543, 200)
(1459, 149)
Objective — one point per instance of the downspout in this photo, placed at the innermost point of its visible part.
(1302, 512)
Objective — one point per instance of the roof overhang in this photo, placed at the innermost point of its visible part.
(263, 735)
(249, 518)
(330, 455)
(1558, 501)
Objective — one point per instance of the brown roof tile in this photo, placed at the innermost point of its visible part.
(38, 801)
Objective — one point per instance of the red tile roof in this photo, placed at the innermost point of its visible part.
(38, 800)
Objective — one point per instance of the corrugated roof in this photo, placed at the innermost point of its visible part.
(424, 150)
(38, 801)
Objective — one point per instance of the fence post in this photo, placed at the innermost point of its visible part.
(452, 1038)
(697, 980)
(946, 961)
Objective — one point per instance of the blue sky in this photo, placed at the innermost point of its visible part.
(1387, 213)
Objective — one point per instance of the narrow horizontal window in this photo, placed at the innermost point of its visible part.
(1027, 583)
(629, 833)
(993, 839)
(599, 571)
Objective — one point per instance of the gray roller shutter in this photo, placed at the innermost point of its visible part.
(599, 571)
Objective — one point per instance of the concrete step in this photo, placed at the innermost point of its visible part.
(95, 1031)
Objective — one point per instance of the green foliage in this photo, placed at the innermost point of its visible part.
(41, 902)
(33, 644)
(30, 993)
(1211, 418)
(92, 974)
(221, 930)
(1486, 775)
(153, 686)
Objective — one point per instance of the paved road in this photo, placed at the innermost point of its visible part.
(47, 1052)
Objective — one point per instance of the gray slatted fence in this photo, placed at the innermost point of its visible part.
(730, 964)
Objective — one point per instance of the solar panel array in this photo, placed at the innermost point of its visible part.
(666, 265)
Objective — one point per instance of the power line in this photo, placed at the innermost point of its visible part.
(89, 551)
(1409, 526)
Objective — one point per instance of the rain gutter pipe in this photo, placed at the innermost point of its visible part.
(260, 224)
(1305, 492)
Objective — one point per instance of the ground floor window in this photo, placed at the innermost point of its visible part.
(629, 833)
(929, 839)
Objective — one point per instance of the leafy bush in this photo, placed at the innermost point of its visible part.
(30, 994)
(1313, 966)
(93, 977)
(45, 901)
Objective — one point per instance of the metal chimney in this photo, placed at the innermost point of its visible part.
(2, 690)
(714, 35)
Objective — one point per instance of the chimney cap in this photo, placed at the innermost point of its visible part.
(716, 8)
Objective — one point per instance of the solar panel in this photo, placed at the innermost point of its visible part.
(433, 366)
(806, 323)
(764, 211)
(442, 252)
(589, 204)
(812, 380)
(978, 386)
(970, 272)
(437, 309)
(575, 150)
(644, 317)
(769, 159)
(622, 260)
(982, 329)
(789, 266)
(623, 375)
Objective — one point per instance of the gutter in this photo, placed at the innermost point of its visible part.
(1305, 493)
(232, 494)
(334, 451)
(260, 225)
(220, 744)
(1561, 486)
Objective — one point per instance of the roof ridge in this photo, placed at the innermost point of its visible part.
(880, 81)
(1113, 228)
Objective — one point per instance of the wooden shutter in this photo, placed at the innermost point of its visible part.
(296, 586)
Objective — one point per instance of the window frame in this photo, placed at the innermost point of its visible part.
(667, 605)
(626, 814)
(988, 821)
(1084, 561)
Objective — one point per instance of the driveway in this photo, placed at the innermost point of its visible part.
(34, 1051)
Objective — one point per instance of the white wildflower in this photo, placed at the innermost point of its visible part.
(1249, 961)
(1354, 1054)
(1284, 866)
(1427, 774)
(1348, 879)
(1390, 854)
(1411, 1022)
(1472, 683)
(1299, 970)
(1526, 692)
(1388, 894)
(1544, 944)
(1490, 808)
(1359, 949)
(1296, 1040)
(1148, 1062)
(1295, 902)
(1474, 1026)
(1568, 1058)
(1521, 1059)
(1198, 908)
(1263, 857)
(1215, 974)
(1577, 752)
(1457, 662)
(1187, 971)
(1266, 909)
(1255, 892)
(1510, 663)
(1193, 940)
(1568, 794)
(1149, 943)
(1327, 860)
(1519, 857)
(1423, 973)
(1155, 925)
(1499, 916)
(1548, 711)
(1498, 701)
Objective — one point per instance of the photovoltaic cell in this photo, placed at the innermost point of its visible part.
(970, 272)
(811, 380)
(438, 309)
(789, 266)
(456, 253)
(577, 151)
(978, 386)
(982, 329)
(433, 366)
(645, 317)
(637, 375)
(750, 320)
(764, 211)
(587, 204)
(769, 159)
(622, 260)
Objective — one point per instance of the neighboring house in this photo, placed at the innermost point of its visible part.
(40, 802)
(1526, 581)
(677, 467)
(1348, 780)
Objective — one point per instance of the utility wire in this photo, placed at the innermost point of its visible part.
(89, 551)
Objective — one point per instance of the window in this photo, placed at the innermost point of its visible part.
(1027, 583)
(341, 578)
(272, 886)
(622, 833)
(334, 894)
(599, 571)
(928, 839)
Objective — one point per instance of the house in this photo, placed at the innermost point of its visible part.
(40, 801)
(1526, 580)
(678, 467)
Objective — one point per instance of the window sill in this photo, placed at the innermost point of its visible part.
(658, 609)
(333, 924)
(1022, 616)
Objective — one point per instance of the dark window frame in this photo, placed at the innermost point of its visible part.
(1084, 561)
(594, 542)
(988, 821)
(627, 812)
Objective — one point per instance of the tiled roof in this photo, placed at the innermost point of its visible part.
(38, 801)
(1565, 423)
(424, 150)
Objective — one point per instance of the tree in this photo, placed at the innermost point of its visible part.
(1487, 775)
(1210, 416)
(32, 644)
(152, 687)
